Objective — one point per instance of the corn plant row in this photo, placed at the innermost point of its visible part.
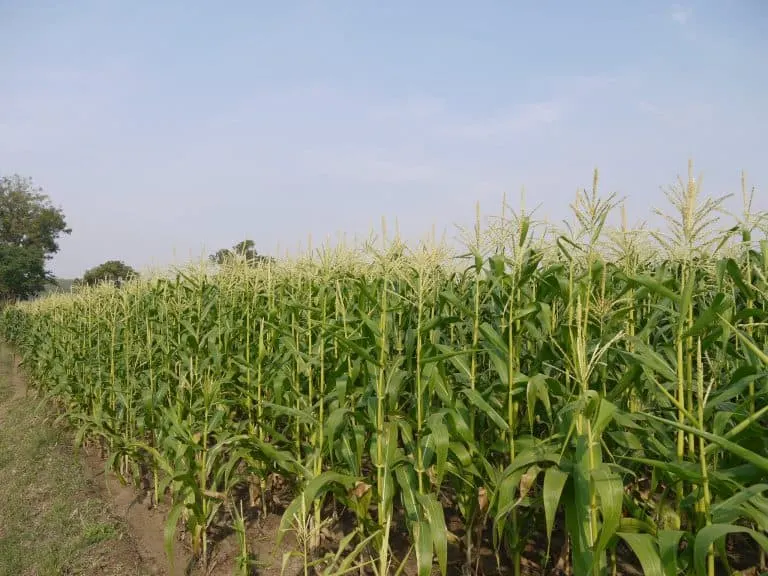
(606, 385)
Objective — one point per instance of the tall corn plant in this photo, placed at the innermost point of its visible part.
(606, 386)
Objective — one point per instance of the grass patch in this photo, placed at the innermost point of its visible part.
(52, 523)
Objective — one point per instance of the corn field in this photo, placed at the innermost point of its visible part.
(575, 400)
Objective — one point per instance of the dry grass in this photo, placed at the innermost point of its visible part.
(51, 522)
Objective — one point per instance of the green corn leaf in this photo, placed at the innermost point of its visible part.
(669, 544)
(441, 439)
(335, 422)
(735, 273)
(479, 402)
(652, 360)
(301, 415)
(552, 491)
(406, 478)
(537, 390)
(604, 416)
(423, 540)
(581, 553)
(710, 534)
(504, 498)
(169, 532)
(709, 316)
(626, 439)
(749, 343)
(656, 287)
(686, 300)
(730, 509)
(345, 566)
(457, 358)
(581, 529)
(610, 490)
(498, 346)
(644, 548)
(523, 232)
(736, 449)
(628, 524)
(315, 488)
(435, 516)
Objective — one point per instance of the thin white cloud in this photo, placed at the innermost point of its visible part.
(414, 108)
(585, 85)
(521, 120)
(419, 138)
(369, 167)
(681, 14)
(650, 108)
(687, 112)
(566, 92)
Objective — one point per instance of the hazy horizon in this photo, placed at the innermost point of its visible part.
(185, 128)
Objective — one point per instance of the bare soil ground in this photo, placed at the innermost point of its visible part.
(147, 525)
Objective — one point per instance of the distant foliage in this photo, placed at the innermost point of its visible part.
(113, 271)
(244, 250)
(30, 227)
(59, 286)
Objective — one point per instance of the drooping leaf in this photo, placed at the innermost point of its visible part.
(709, 534)
(645, 551)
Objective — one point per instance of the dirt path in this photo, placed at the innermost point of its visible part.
(146, 524)
(98, 526)
(12, 387)
(51, 519)
(138, 531)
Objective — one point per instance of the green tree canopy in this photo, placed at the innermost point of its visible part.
(115, 271)
(245, 250)
(30, 227)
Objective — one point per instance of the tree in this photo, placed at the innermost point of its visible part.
(244, 250)
(115, 271)
(30, 227)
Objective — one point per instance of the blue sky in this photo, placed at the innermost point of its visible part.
(166, 129)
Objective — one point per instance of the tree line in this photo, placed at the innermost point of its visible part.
(31, 227)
